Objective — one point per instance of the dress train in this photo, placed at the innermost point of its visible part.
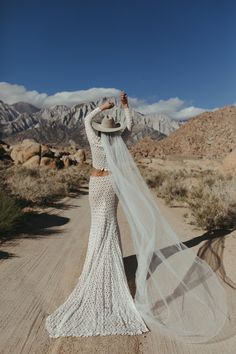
(101, 303)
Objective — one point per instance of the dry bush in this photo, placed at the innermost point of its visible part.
(155, 180)
(213, 202)
(209, 195)
(11, 215)
(168, 185)
(35, 186)
(21, 186)
(5, 166)
(43, 185)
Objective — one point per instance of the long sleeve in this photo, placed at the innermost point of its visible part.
(91, 135)
(129, 124)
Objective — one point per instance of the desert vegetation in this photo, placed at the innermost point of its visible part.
(209, 196)
(22, 189)
(11, 214)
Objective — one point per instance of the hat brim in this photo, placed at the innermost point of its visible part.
(98, 127)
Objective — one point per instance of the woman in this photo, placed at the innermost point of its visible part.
(177, 293)
(101, 303)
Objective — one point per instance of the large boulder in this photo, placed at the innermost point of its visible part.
(79, 156)
(23, 152)
(31, 150)
(46, 151)
(28, 141)
(32, 162)
(48, 162)
(30, 153)
(16, 154)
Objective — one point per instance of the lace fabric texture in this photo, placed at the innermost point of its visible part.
(101, 303)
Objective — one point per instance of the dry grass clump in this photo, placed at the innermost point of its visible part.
(213, 202)
(42, 185)
(209, 195)
(11, 215)
(4, 168)
(22, 186)
(169, 185)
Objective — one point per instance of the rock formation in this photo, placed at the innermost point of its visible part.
(32, 154)
(209, 135)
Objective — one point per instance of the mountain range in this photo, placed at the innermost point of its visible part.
(63, 125)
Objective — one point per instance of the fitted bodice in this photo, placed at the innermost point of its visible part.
(98, 154)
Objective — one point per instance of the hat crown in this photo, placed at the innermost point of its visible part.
(108, 122)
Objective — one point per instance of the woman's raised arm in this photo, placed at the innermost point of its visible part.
(129, 120)
(91, 135)
(129, 124)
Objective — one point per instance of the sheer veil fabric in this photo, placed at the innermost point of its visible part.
(177, 293)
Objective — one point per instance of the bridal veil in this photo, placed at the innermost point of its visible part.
(177, 292)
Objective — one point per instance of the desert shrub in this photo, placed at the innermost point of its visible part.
(42, 185)
(70, 177)
(155, 180)
(209, 195)
(37, 190)
(173, 189)
(21, 186)
(170, 185)
(11, 215)
(212, 202)
(5, 166)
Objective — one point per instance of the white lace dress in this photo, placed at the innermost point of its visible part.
(101, 303)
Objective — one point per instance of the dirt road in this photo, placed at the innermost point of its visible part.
(40, 269)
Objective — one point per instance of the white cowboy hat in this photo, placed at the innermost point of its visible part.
(108, 124)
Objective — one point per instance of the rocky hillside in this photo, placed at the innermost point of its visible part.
(24, 107)
(62, 125)
(210, 134)
(7, 113)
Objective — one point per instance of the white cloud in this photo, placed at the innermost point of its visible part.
(174, 107)
(12, 93)
(187, 112)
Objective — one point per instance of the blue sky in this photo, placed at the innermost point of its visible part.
(163, 53)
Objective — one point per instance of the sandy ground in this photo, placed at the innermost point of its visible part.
(40, 269)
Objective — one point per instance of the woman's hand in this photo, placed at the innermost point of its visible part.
(106, 105)
(124, 99)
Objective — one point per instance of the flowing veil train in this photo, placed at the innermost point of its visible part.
(177, 293)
